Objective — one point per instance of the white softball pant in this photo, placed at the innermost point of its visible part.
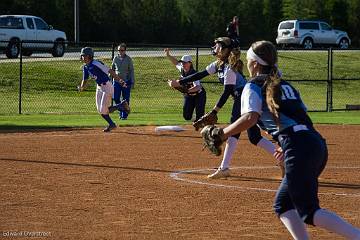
(104, 94)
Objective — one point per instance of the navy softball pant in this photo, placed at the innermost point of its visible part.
(124, 94)
(197, 103)
(305, 158)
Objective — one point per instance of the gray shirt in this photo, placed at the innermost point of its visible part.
(124, 68)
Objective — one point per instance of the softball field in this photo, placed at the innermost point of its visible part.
(134, 183)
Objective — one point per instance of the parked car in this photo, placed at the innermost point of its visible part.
(16, 28)
(308, 33)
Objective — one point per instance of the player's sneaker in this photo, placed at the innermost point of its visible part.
(124, 106)
(220, 173)
(113, 108)
(109, 128)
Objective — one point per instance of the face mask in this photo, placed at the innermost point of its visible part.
(216, 49)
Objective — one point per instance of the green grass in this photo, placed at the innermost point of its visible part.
(50, 97)
(82, 120)
(341, 117)
(55, 121)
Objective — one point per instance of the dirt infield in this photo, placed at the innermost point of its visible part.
(134, 183)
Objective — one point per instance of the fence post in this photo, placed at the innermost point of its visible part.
(197, 58)
(112, 58)
(113, 51)
(20, 76)
(330, 86)
(327, 81)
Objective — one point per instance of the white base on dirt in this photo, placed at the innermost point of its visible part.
(169, 128)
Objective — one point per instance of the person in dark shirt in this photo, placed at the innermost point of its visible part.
(232, 29)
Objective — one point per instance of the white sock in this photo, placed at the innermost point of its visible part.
(294, 224)
(332, 222)
(266, 145)
(229, 151)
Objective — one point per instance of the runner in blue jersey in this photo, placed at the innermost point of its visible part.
(277, 106)
(104, 89)
(228, 67)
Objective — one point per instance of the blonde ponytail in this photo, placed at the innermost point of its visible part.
(234, 60)
(267, 52)
(273, 95)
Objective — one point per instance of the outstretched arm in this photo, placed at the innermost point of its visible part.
(228, 89)
(190, 78)
(194, 77)
(171, 58)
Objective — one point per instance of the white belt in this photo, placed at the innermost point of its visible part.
(297, 128)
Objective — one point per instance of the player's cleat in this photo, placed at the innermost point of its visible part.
(113, 109)
(122, 106)
(109, 128)
(220, 173)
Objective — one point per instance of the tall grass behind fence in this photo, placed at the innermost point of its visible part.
(9, 88)
(49, 84)
(345, 73)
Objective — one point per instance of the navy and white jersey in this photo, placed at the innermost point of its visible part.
(292, 110)
(226, 75)
(96, 70)
(183, 74)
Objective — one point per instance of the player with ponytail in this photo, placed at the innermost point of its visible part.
(305, 151)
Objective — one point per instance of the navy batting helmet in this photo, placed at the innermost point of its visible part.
(87, 51)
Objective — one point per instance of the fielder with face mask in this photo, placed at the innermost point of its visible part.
(228, 67)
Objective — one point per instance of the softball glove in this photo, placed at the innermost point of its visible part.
(213, 139)
(209, 118)
(182, 88)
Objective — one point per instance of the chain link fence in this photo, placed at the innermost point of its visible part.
(328, 80)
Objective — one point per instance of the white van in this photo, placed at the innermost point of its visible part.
(308, 33)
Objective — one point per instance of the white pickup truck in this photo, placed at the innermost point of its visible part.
(29, 29)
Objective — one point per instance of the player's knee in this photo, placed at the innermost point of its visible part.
(104, 110)
(237, 136)
(254, 139)
(280, 209)
(309, 216)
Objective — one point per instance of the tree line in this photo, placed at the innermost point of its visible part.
(184, 21)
